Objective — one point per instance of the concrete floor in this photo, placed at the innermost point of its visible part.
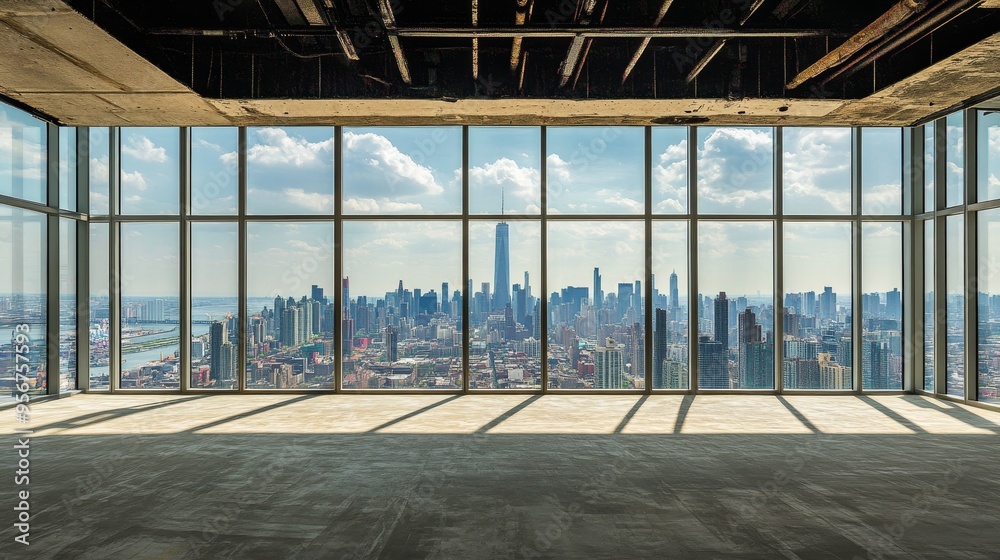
(508, 476)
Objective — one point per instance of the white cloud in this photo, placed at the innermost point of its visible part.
(99, 170)
(143, 149)
(378, 154)
(133, 180)
(517, 182)
(382, 205)
(278, 148)
(309, 200)
(735, 170)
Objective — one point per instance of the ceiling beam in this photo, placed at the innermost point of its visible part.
(877, 29)
(475, 41)
(645, 42)
(311, 12)
(521, 16)
(585, 8)
(389, 22)
(718, 46)
(511, 32)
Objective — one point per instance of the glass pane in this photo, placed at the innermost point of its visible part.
(150, 341)
(881, 171)
(816, 170)
(394, 270)
(989, 305)
(736, 314)
(506, 326)
(67, 304)
(929, 315)
(955, 289)
(290, 170)
(670, 316)
(817, 306)
(100, 141)
(214, 170)
(22, 155)
(595, 170)
(735, 170)
(955, 150)
(214, 306)
(596, 342)
(150, 171)
(988, 159)
(505, 165)
(403, 170)
(670, 172)
(929, 157)
(291, 323)
(22, 302)
(67, 168)
(100, 308)
(881, 306)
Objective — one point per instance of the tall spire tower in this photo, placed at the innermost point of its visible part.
(501, 264)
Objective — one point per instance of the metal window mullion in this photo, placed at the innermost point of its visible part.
(114, 260)
(693, 290)
(338, 260)
(184, 309)
(241, 197)
(543, 314)
(466, 336)
(857, 338)
(650, 304)
(52, 299)
(971, 138)
(779, 261)
(83, 316)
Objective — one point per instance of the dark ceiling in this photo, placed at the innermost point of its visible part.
(261, 49)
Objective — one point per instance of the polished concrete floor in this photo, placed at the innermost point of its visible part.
(507, 476)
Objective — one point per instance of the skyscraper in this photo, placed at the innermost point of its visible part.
(317, 292)
(217, 337)
(501, 268)
(659, 346)
(609, 371)
(722, 320)
(598, 294)
(713, 367)
(674, 295)
(391, 340)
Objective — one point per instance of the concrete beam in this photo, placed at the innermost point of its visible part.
(972, 74)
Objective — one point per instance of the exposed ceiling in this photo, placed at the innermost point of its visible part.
(192, 62)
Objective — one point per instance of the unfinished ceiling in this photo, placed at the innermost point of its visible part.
(516, 61)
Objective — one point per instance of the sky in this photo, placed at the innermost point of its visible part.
(417, 170)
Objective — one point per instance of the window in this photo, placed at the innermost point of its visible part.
(393, 272)
(881, 171)
(954, 162)
(670, 305)
(215, 309)
(596, 333)
(290, 170)
(214, 170)
(816, 169)
(670, 169)
(505, 267)
(989, 306)
(99, 146)
(150, 334)
(67, 304)
(22, 155)
(735, 170)
(736, 305)
(595, 170)
(930, 321)
(100, 308)
(403, 170)
(291, 321)
(505, 170)
(150, 173)
(67, 168)
(930, 157)
(988, 159)
(818, 346)
(955, 306)
(882, 305)
(23, 300)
